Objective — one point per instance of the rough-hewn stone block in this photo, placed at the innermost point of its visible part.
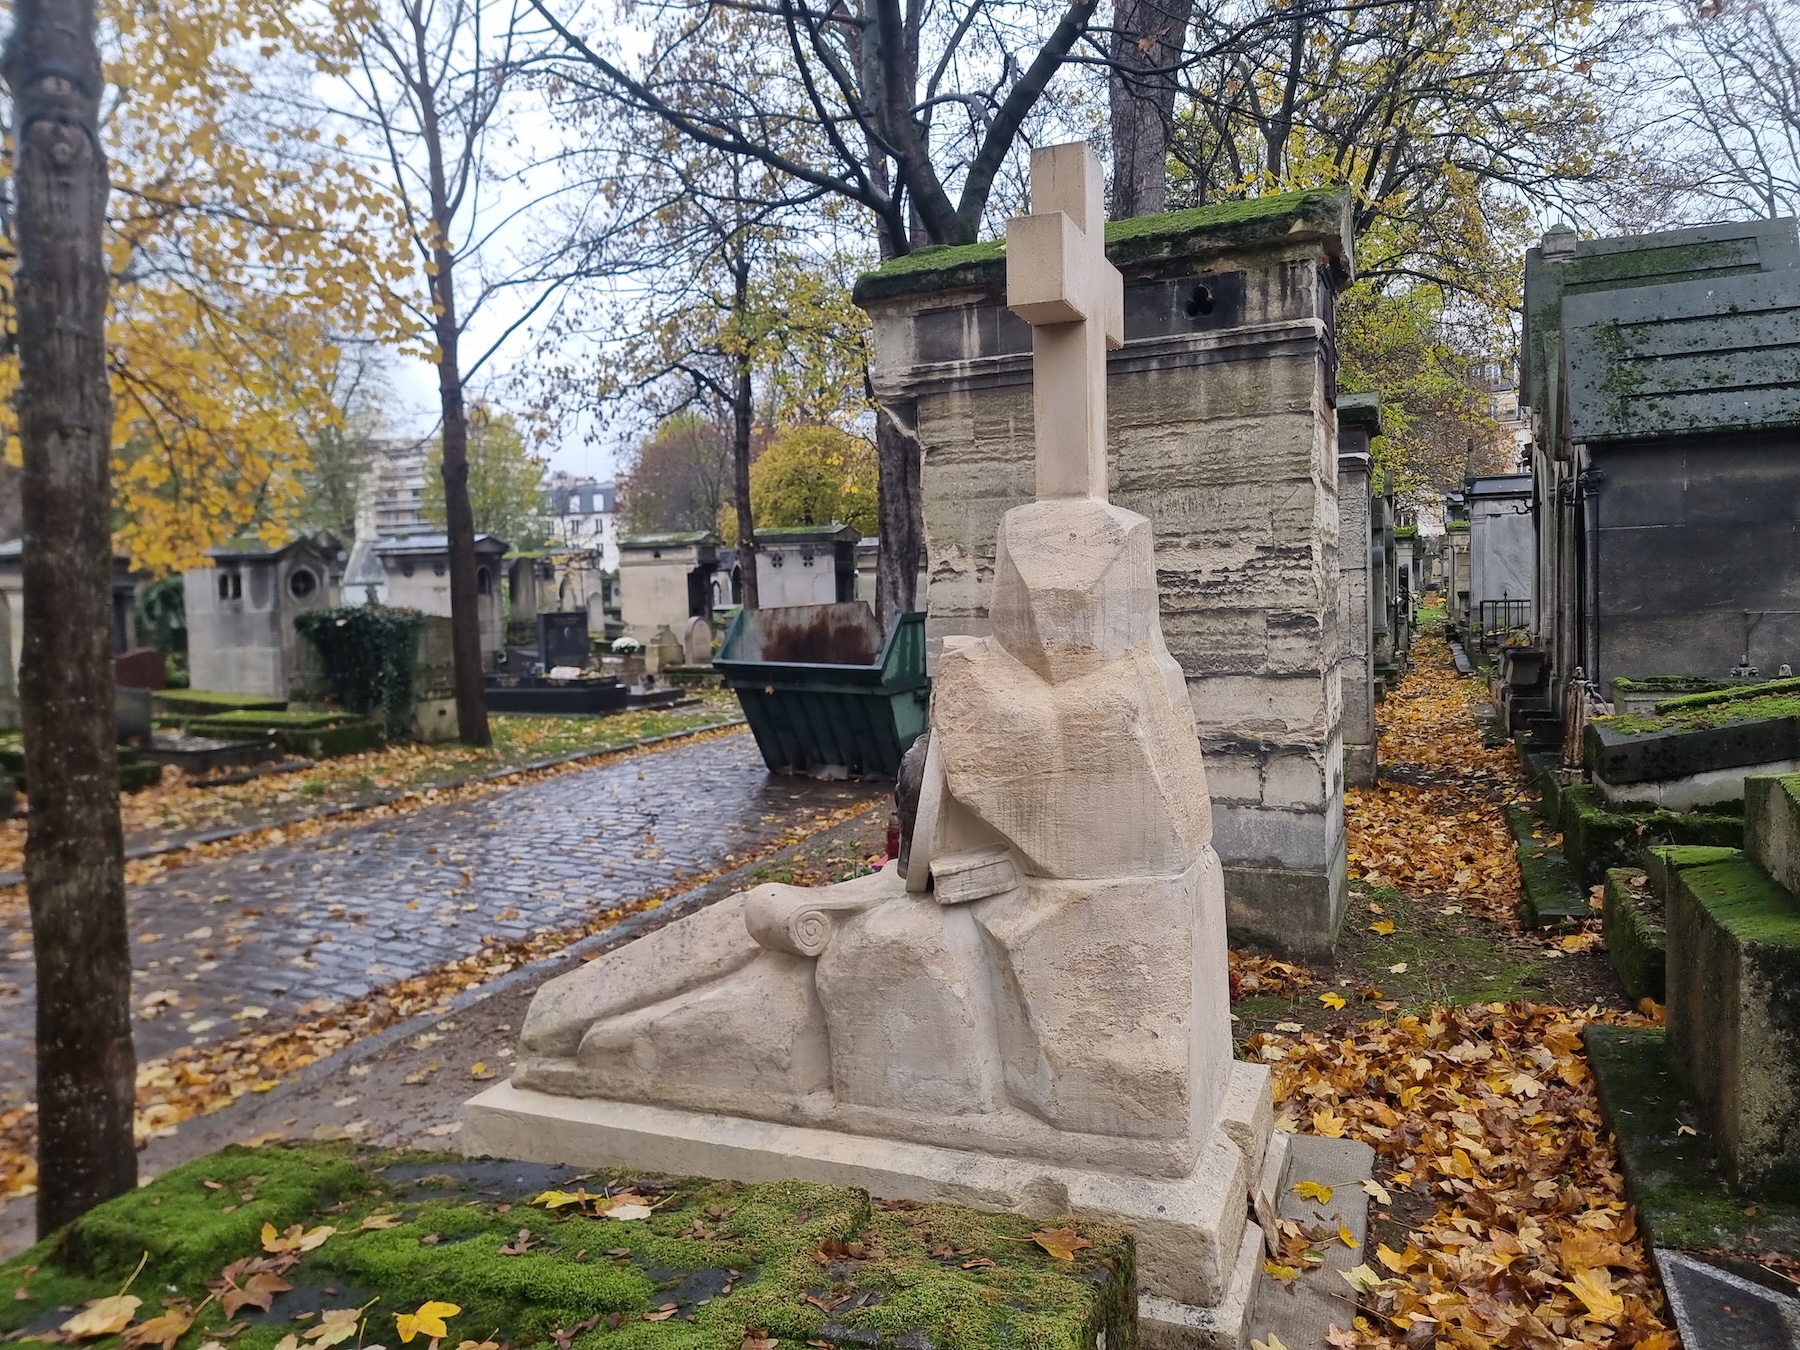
(1734, 1013)
(1772, 826)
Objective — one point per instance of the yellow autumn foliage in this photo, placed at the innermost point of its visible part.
(246, 246)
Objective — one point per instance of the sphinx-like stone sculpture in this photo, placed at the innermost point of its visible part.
(1032, 1013)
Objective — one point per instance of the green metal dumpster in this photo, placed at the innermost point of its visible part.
(822, 692)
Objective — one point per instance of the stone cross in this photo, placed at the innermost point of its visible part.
(1059, 282)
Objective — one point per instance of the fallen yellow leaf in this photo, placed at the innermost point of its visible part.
(295, 1239)
(429, 1319)
(103, 1317)
(1062, 1243)
(1313, 1190)
(1383, 926)
(1332, 1001)
(1594, 1288)
(1346, 1237)
(1361, 1278)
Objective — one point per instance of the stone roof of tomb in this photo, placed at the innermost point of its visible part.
(1315, 216)
(1657, 334)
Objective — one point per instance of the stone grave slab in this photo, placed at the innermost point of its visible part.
(1717, 1310)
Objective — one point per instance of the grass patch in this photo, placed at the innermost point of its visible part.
(713, 1260)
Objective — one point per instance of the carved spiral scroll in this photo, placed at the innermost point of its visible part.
(810, 930)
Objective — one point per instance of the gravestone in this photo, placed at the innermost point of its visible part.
(562, 637)
(1220, 432)
(1032, 1015)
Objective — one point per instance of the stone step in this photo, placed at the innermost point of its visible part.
(1772, 826)
(1549, 893)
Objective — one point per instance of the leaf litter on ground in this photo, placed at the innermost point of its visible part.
(1433, 825)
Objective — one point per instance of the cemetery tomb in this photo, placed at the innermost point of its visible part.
(975, 1025)
(806, 565)
(1696, 750)
(1660, 367)
(1502, 556)
(240, 614)
(12, 590)
(664, 580)
(417, 568)
(1221, 433)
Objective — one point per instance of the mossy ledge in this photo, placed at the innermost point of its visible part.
(809, 1264)
(1314, 213)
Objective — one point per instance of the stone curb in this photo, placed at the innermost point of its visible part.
(193, 841)
(623, 931)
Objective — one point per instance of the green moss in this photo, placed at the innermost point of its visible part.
(319, 734)
(1550, 892)
(1673, 1176)
(1635, 942)
(248, 718)
(1140, 238)
(1598, 836)
(1731, 694)
(729, 1256)
(1739, 896)
(211, 701)
(1686, 683)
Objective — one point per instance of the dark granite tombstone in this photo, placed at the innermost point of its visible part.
(563, 639)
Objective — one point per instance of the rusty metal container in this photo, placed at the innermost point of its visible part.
(823, 692)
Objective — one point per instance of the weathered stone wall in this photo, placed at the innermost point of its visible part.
(1356, 659)
(1221, 430)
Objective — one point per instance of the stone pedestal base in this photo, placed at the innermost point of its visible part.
(1198, 1261)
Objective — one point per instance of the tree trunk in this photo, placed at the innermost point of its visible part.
(901, 509)
(742, 406)
(459, 517)
(74, 852)
(1148, 38)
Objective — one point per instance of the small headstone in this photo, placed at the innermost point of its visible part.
(696, 642)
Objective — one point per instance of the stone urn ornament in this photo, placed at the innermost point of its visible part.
(1029, 1009)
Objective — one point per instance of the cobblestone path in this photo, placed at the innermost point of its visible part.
(221, 945)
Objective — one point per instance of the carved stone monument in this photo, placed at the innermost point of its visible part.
(1029, 1011)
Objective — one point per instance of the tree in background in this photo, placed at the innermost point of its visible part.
(241, 241)
(430, 82)
(506, 482)
(74, 852)
(678, 479)
(1448, 123)
(812, 475)
(747, 320)
(1732, 76)
(1437, 418)
(342, 446)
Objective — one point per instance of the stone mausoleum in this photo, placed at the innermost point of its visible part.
(1222, 431)
(241, 608)
(1661, 374)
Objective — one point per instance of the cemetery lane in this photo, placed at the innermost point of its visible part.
(225, 947)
